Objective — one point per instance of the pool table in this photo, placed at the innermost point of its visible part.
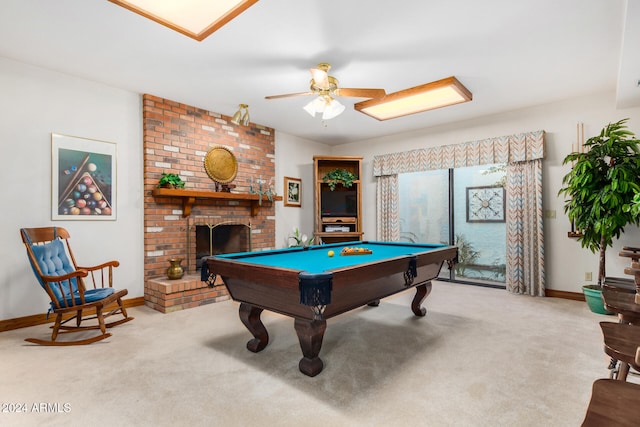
(311, 286)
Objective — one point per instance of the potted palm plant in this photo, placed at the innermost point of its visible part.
(600, 188)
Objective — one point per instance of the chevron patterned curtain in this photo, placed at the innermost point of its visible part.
(525, 239)
(387, 207)
(523, 153)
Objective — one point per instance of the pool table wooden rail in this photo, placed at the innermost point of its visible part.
(353, 287)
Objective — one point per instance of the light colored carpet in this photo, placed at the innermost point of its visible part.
(481, 357)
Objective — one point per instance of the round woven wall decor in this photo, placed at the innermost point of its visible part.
(221, 165)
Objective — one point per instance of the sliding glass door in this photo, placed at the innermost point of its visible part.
(465, 207)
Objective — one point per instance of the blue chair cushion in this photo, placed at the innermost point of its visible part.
(53, 261)
(90, 295)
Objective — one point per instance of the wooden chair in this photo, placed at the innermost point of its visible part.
(65, 282)
(621, 342)
(613, 403)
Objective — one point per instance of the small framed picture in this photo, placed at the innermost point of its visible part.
(292, 192)
(83, 179)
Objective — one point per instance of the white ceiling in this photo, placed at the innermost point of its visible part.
(509, 54)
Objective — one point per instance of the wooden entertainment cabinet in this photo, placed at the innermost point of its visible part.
(336, 221)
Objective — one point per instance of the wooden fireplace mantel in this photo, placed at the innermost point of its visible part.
(189, 198)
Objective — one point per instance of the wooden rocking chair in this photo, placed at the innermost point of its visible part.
(64, 281)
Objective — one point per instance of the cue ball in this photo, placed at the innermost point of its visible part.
(330, 253)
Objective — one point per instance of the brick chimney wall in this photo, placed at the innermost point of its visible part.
(177, 138)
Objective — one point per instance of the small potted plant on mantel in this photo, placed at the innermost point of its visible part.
(600, 188)
(170, 180)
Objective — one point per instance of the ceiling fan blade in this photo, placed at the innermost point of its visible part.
(289, 95)
(320, 78)
(360, 93)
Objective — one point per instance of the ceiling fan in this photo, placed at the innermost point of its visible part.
(325, 87)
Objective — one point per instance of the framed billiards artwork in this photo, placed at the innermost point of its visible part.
(292, 192)
(485, 204)
(83, 179)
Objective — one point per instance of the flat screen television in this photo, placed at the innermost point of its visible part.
(339, 203)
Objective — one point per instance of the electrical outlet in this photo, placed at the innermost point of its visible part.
(588, 276)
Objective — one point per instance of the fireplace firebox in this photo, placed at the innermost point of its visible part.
(219, 238)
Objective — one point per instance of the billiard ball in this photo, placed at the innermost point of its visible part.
(330, 253)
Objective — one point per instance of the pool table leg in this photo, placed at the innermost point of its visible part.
(310, 334)
(422, 291)
(250, 317)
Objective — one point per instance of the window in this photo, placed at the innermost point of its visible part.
(464, 207)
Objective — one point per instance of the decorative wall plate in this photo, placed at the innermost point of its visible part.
(485, 204)
(221, 165)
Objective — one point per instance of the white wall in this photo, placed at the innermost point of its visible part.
(294, 158)
(565, 261)
(34, 103)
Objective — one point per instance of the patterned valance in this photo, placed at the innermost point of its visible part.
(521, 147)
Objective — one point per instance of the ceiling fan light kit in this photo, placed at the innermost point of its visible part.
(315, 106)
(326, 105)
(333, 109)
(197, 19)
(441, 93)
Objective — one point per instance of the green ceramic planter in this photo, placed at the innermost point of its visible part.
(593, 296)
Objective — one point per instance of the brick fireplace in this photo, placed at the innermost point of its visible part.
(177, 137)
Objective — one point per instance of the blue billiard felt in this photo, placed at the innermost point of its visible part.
(315, 259)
